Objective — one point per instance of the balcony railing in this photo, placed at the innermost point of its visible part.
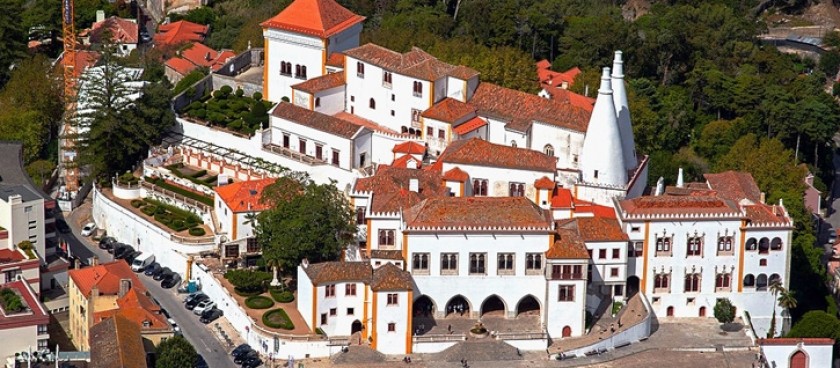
(297, 156)
(566, 276)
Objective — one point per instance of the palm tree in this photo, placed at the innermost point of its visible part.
(787, 299)
(250, 220)
(776, 288)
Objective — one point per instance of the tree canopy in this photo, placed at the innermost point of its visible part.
(816, 324)
(175, 352)
(306, 220)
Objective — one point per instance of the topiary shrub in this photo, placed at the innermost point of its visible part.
(195, 105)
(248, 282)
(284, 296)
(259, 302)
(149, 210)
(258, 96)
(235, 125)
(197, 231)
(277, 318)
(226, 89)
(239, 92)
(199, 114)
(179, 224)
(136, 203)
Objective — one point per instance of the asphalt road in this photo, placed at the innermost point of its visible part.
(198, 334)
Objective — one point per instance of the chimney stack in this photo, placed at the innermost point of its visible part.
(304, 263)
(414, 185)
(125, 286)
(763, 197)
(680, 181)
(660, 186)
(100, 16)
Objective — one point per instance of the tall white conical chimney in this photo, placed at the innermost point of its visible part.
(680, 181)
(602, 160)
(622, 109)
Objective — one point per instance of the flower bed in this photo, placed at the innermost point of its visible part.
(232, 110)
(259, 302)
(199, 177)
(171, 216)
(277, 318)
(282, 296)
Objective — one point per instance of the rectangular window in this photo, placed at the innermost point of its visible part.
(566, 272)
(449, 263)
(319, 152)
(480, 187)
(566, 293)
(350, 290)
(302, 146)
(663, 246)
(231, 250)
(420, 263)
(417, 89)
(614, 272)
(333, 312)
(393, 299)
(252, 246)
(694, 246)
(505, 263)
(386, 237)
(335, 157)
(602, 254)
(323, 318)
(360, 215)
(42, 329)
(616, 253)
(350, 311)
(533, 263)
(43, 344)
(360, 70)
(392, 327)
(662, 283)
(478, 263)
(430, 132)
(27, 209)
(635, 249)
(441, 134)
(725, 245)
(516, 190)
(618, 290)
(286, 141)
(723, 282)
(386, 79)
(692, 283)
(415, 115)
(362, 159)
(329, 291)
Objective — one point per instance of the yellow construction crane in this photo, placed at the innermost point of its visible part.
(68, 155)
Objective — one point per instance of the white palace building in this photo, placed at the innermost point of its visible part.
(475, 201)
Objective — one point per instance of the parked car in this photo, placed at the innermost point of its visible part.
(107, 242)
(211, 315)
(240, 349)
(151, 269)
(252, 362)
(88, 229)
(245, 356)
(174, 325)
(196, 300)
(163, 273)
(170, 282)
(204, 306)
(192, 296)
(130, 257)
(200, 362)
(144, 260)
(62, 226)
(122, 251)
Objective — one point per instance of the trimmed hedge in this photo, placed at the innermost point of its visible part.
(259, 302)
(246, 293)
(277, 318)
(186, 193)
(136, 203)
(246, 282)
(197, 231)
(282, 296)
(149, 210)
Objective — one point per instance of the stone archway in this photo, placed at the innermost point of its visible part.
(423, 306)
(528, 306)
(356, 327)
(632, 286)
(493, 306)
(458, 305)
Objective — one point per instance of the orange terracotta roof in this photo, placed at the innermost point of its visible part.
(544, 183)
(332, 272)
(321, 18)
(734, 185)
(414, 63)
(336, 59)
(556, 79)
(543, 64)
(470, 125)
(182, 66)
(390, 187)
(122, 30)
(10, 256)
(483, 153)
(391, 278)
(766, 214)
(706, 204)
(456, 174)
(567, 245)
(244, 196)
(322, 83)
(106, 277)
(179, 32)
(116, 342)
(463, 72)
(449, 110)
(595, 210)
(520, 109)
(595, 229)
(410, 148)
(394, 254)
(404, 160)
(139, 309)
(569, 97)
(562, 198)
(796, 340)
(316, 120)
(201, 55)
(477, 212)
(360, 121)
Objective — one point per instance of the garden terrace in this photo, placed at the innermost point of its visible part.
(230, 110)
(11, 301)
(299, 326)
(179, 193)
(196, 175)
(169, 214)
(232, 156)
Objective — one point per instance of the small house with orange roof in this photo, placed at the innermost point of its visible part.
(124, 33)
(193, 56)
(237, 206)
(180, 32)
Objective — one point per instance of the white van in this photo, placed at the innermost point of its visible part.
(142, 261)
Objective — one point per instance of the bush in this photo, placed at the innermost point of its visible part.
(724, 311)
(239, 92)
(136, 203)
(128, 179)
(277, 318)
(816, 324)
(259, 302)
(284, 296)
(199, 173)
(195, 105)
(197, 231)
(235, 125)
(258, 96)
(246, 293)
(187, 215)
(149, 210)
(247, 281)
(186, 193)
(226, 89)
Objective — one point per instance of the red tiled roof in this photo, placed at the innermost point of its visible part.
(734, 185)
(708, 204)
(595, 229)
(456, 174)
(322, 18)
(244, 196)
(201, 55)
(543, 64)
(594, 209)
(449, 110)
(182, 66)
(544, 183)
(556, 79)
(360, 121)
(116, 342)
(180, 31)
(483, 153)
(9, 256)
(106, 277)
(414, 63)
(137, 308)
(122, 30)
(84, 60)
(332, 272)
(402, 162)
(410, 148)
(567, 245)
(463, 72)
(796, 341)
(390, 187)
(391, 277)
(322, 83)
(470, 125)
(569, 97)
(316, 120)
(477, 212)
(521, 109)
(336, 59)
(766, 214)
(562, 198)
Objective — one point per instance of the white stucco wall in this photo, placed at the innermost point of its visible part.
(297, 49)
(817, 355)
(392, 342)
(567, 143)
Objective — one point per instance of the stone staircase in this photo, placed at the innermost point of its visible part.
(358, 355)
(479, 350)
